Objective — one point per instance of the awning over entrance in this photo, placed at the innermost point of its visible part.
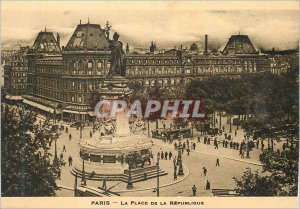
(39, 106)
(75, 112)
(91, 113)
(16, 98)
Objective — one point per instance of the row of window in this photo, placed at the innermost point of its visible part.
(60, 96)
(153, 61)
(18, 74)
(49, 70)
(80, 65)
(19, 80)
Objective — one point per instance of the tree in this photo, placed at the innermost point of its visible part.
(275, 115)
(26, 161)
(252, 184)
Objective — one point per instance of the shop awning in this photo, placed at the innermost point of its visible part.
(39, 106)
(75, 112)
(10, 97)
(91, 113)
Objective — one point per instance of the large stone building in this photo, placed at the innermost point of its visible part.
(64, 82)
(15, 74)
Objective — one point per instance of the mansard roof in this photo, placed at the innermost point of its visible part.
(88, 37)
(239, 45)
(45, 42)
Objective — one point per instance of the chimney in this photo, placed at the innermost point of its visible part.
(205, 46)
(58, 39)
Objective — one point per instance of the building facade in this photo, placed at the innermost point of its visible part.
(65, 82)
(15, 75)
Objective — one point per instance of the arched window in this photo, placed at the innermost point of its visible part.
(80, 67)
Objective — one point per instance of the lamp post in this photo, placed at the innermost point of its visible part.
(75, 186)
(83, 181)
(80, 131)
(179, 161)
(129, 182)
(230, 129)
(157, 189)
(55, 161)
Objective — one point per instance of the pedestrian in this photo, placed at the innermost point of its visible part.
(205, 140)
(188, 151)
(204, 171)
(70, 160)
(194, 146)
(223, 128)
(162, 155)
(216, 143)
(235, 133)
(166, 155)
(70, 136)
(198, 139)
(208, 141)
(59, 175)
(64, 148)
(194, 189)
(248, 154)
(158, 155)
(104, 183)
(207, 185)
(237, 145)
(230, 144)
(67, 130)
(170, 155)
(233, 145)
(61, 156)
(216, 121)
(223, 142)
(283, 146)
(218, 162)
(91, 134)
(262, 146)
(175, 176)
(243, 154)
(175, 146)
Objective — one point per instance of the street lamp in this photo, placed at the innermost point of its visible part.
(157, 189)
(129, 182)
(83, 181)
(80, 131)
(179, 161)
(55, 161)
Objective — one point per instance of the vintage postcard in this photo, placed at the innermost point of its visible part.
(149, 104)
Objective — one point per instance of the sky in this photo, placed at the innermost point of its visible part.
(169, 24)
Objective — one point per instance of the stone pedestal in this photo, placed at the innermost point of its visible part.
(115, 87)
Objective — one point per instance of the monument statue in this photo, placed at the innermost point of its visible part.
(118, 58)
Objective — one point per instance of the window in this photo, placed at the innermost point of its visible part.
(72, 98)
(99, 65)
(90, 65)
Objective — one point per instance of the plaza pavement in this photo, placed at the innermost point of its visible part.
(231, 165)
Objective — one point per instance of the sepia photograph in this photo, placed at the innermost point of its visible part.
(194, 102)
